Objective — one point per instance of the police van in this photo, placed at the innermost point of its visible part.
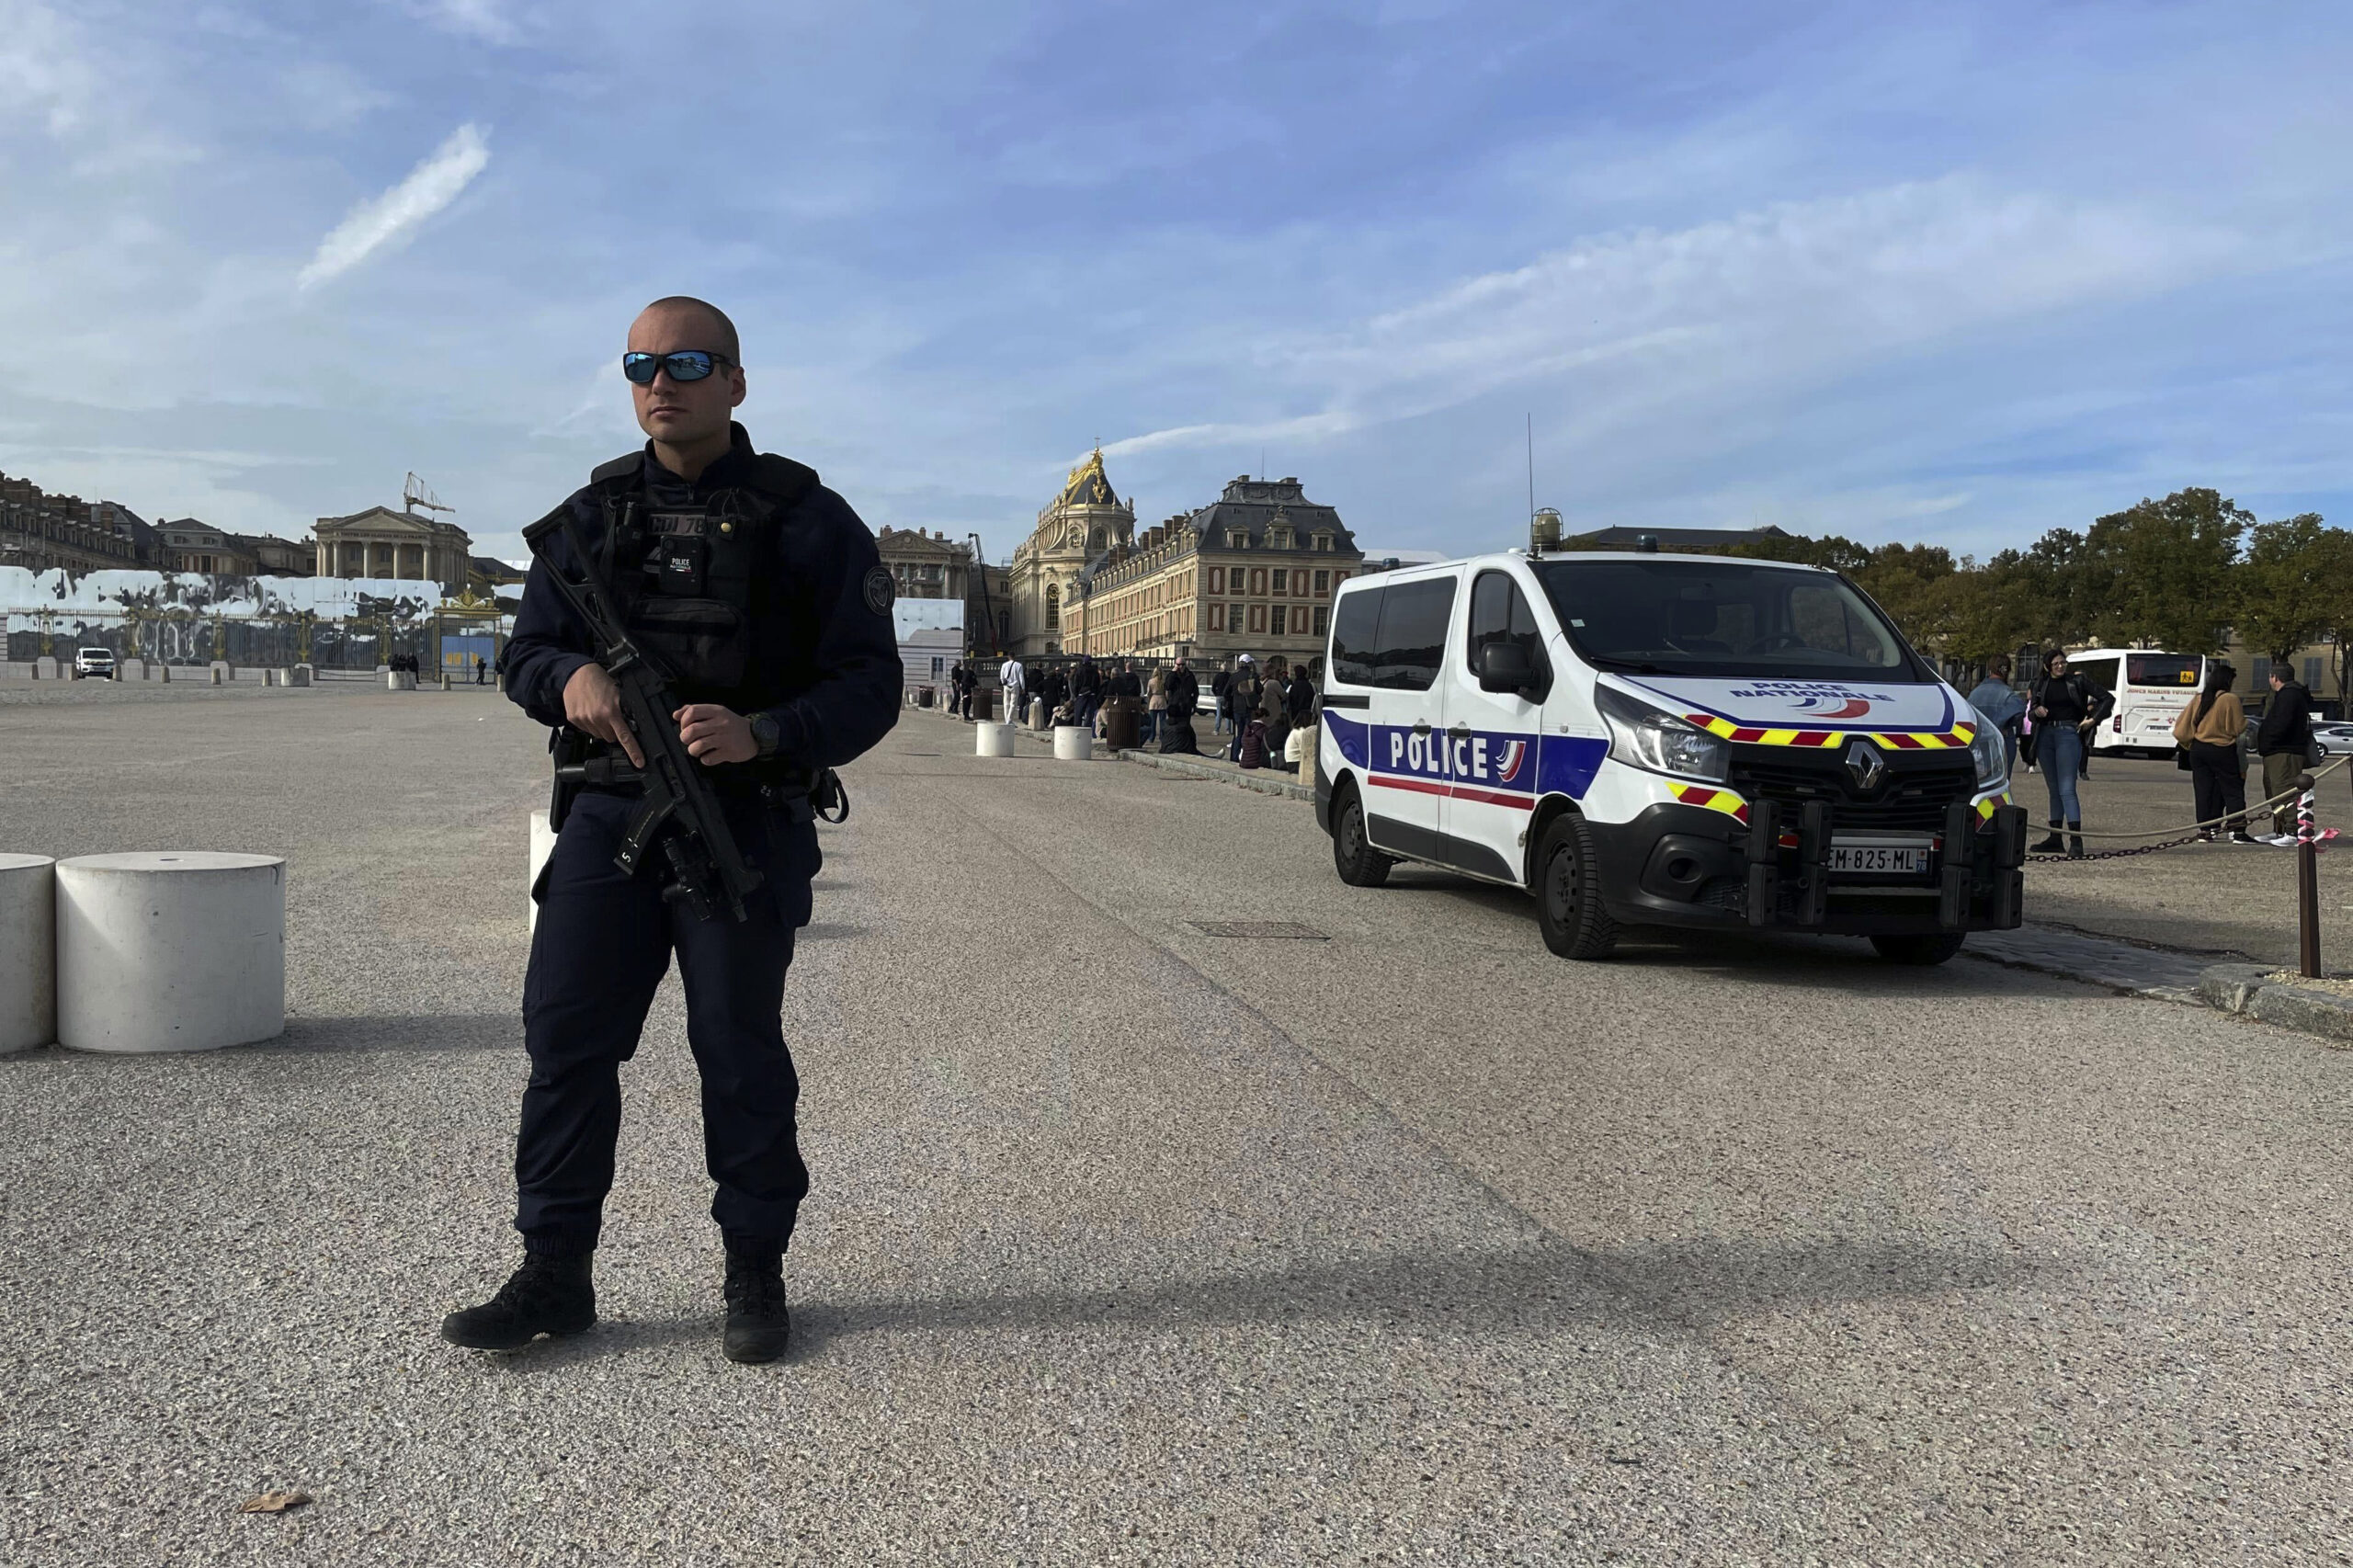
(1645, 739)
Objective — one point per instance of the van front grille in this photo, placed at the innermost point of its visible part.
(1911, 798)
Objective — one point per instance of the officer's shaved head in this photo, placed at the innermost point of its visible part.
(723, 339)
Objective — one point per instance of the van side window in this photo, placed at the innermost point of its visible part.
(2100, 672)
(1411, 639)
(1352, 637)
(1499, 613)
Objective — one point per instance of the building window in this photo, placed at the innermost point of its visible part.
(1322, 621)
(1275, 624)
(1217, 579)
(1282, 580)
(2311, 675)
(1323, 542)
(1233, 618)
(1279, 538)
(1053, 607)
(1323, 584)
(1217, 617)
(1237, 539)
(1257, 617)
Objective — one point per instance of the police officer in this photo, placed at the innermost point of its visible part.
(764, 594)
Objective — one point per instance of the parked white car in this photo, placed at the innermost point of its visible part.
(94, 662)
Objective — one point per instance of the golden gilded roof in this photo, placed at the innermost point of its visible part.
(1088, 486)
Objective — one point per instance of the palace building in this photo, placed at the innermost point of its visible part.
(1085, 523)
(1254, 571)
(380, 542)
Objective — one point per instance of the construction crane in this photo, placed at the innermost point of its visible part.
(415, 495)
(988, 609)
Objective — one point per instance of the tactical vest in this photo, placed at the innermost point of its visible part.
(688, 572)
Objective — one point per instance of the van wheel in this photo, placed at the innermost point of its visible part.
(1919, 950)
(1568, 892)
(1358, 863)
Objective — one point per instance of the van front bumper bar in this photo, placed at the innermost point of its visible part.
(1978, 883)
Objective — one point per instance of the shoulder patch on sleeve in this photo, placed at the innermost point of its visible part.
(879, 591)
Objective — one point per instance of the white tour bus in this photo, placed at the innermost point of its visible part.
(1648, 739)
(2150, 689)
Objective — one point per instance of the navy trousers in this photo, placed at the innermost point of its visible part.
(603, 944)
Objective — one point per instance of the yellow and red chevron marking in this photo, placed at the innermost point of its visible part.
(1893, 740)
(1722, 800)
(1992, 804)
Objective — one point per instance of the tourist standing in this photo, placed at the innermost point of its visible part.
(1011, 680)
(2212, 730)
(2000, 705)
(2284, 741)
(2065, 706)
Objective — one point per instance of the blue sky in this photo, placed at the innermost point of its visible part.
(1952, 273)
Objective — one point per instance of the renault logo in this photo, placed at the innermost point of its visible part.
(1865, 765)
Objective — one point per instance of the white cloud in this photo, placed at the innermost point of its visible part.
(44, 69)
(1774, 296)
(373, 225)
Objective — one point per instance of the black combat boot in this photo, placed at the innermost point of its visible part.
(2051, 845)
(547, 1295)
(759, 1325)
(2074, 841)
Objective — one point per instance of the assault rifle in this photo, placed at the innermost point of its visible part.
(680, 815)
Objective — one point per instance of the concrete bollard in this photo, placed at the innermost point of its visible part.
(44, 669)
(27, 952)
(221, 674)
(543, 845)
(299, 675)
(175, 950)
(992, 739)
(399, 680)
(1037, 712)
(1073, 742)
(132, 669)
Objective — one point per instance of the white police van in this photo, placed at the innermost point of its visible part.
(1648, 739)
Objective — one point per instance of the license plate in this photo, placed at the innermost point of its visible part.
(1884, 859)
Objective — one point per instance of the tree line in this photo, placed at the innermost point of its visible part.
(2182, 573)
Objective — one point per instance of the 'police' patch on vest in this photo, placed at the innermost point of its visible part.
(879, 592)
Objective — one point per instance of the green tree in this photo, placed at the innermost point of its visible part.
(2293, 587)
(2159, 574)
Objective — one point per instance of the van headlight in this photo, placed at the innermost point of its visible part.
(1991, 754)
(1653, 738)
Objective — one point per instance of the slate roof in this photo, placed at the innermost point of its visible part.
(1255, 504)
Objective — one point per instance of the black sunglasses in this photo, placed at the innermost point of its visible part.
(687, 365)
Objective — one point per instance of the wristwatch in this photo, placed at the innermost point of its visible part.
(765, 734)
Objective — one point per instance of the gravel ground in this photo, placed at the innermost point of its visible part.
(1131, 1243)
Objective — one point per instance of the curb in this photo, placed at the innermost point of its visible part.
(2247, 989)
(1277, 785)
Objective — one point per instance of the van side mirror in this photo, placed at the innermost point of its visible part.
(1505, 666)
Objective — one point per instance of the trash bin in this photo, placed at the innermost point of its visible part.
(1122, 721)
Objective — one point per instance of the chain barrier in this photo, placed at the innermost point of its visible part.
(2204, 831)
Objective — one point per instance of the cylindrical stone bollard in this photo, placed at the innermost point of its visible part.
(175, 950)
(1073, 742)
(543, 845)
(27, 952)
(992, 739)
(1037, 712)
(132, 669)
(299, 675)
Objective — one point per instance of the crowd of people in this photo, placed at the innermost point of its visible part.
(1262, 711)
(2049, 731)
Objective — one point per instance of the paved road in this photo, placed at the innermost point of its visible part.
(1131, 1243)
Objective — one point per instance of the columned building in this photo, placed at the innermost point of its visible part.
(1085, 523)
(1254, 571)
(925, 566)
(380, 542)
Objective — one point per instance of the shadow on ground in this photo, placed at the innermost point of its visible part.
(1535, 1289)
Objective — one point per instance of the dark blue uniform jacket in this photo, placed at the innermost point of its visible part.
(823, 655)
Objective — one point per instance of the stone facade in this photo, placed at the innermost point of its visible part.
(1254, 571)
(926, 565)
(41, 532)
(380, 542)
(192, 546)
(1085, 523)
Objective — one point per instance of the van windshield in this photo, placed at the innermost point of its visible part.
(1707, 617)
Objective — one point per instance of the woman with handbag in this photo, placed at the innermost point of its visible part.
(2065, 708)
(2210, 732)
